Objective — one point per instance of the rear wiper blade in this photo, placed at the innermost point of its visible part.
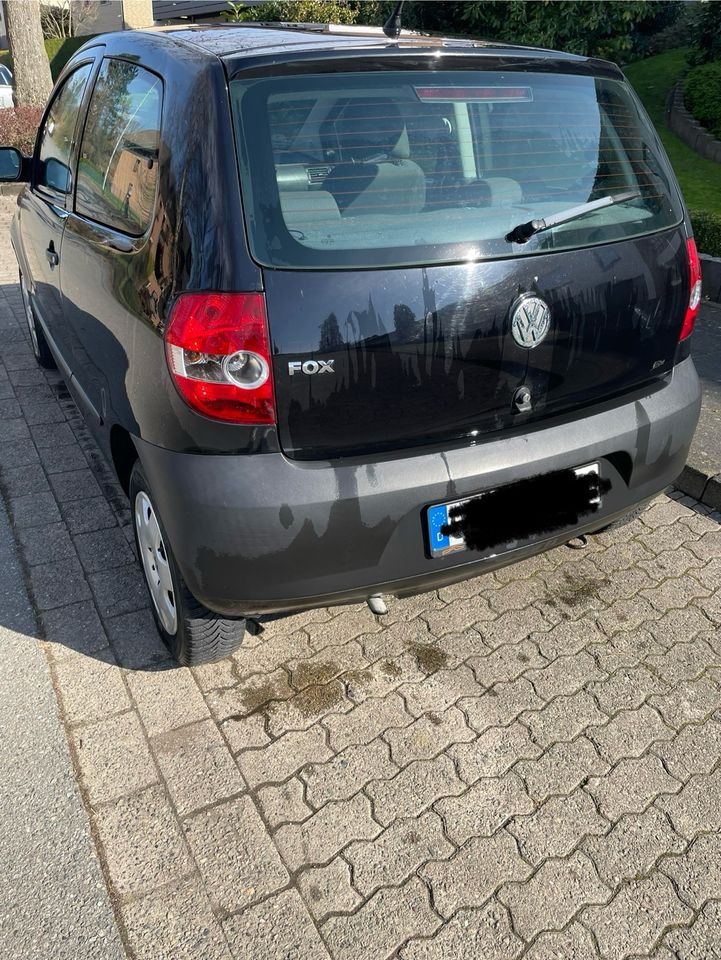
(524, 231)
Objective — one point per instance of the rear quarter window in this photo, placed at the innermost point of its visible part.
(396, 168)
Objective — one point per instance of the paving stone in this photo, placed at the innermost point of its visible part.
(52, 435)
(114, 758)
(428, 735)
(166, 699)
(236, 857)
(282, 758)
(27, 479)
(135, 640)
(557, 827)
(567, 638)
(90, 687)
(670, 563)
(74, 629)
(326, 665)
(271, 653)
(328, 889)
(83, 516)
(284, 803)
(563, 719)
(629, 733)
(17, 453)
(34, 510)
(457, 648)
(327, 832)
(307, 708)
(470, 935)
(633, 846)
(680, 626)
(514, 627)
(459, 615)
(397, 852)
(517, 594)
(250, 696)
(565, 676)
(197, 766)
(696, 807)
(630, 786)
(74, 485)
(697, 873)
(103, 549)
(632, 922)
(61, 459)
(348, 772)
(47, 544)
(562, 768)
(176, 923)
(42, 412)
(553, 895)
(121, 590)
(382, 924)
(500, 705)
(366, 721)
(414, 789)
(439, 691)
(709, 576)
(278, 927)
(708, 546)
(506, 663)
(626, 615)
(382, 677)
(14, 430)
(493, 753)
(214, 676)
(675, 593)
(690, 702)
(348, 625)
(395, 639)
(695, 749)
(142, 845)
(484, 807)
(700, 941)
(573, 943)
(243, 733)
(58, 584)
(625, 649)
(626, 689)
(478, 869)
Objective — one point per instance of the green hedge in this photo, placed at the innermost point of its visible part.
(702, 96)
(707, 232)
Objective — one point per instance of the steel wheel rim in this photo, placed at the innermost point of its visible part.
(156, 567)
(30, 319)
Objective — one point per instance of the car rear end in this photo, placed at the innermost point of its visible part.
(437, 388)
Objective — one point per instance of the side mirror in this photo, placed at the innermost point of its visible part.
(11, 164)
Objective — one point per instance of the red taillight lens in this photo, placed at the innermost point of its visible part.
(694, 299)
(219, 356)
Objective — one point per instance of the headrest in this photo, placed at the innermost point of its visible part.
(369, 128)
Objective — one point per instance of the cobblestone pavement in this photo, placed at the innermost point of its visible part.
(527, 764)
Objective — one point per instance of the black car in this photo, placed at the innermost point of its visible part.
(353, 315)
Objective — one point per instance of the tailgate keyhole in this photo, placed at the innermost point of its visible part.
(522, 400)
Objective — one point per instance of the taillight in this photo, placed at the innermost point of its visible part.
(219, 356)
(694, 299)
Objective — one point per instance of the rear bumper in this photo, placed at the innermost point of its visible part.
(256, 534)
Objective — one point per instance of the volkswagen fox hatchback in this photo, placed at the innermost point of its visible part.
(353, 316)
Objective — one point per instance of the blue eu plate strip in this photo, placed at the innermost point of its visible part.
(437, 518)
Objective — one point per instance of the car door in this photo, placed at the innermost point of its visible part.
(105, 267)
(43, 206)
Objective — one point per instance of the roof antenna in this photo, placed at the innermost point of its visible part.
(392, 26)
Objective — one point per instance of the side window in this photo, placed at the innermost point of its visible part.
(118, 168)
(58, 133)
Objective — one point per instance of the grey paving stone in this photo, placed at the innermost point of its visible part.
(74, 485)
(14, 430)
(494, 752)
(75, 628)
(58, 584)
(166, 698)
(280, 926)
(284, 803)
(176, 923)
(573, 943)
(18, 453)
(414, 789)
(328, 889)
(327, 832)
(470, 935)
(382, 924)
(236, 858)
(121, 590)
(142, 844)
(83, 516)
(695, 808)
(135, 640)
(45, 544)
(484, 807)
(42, 412)
(557, 827)
(22, 480)
(701, 940)
(103, 549)
(697, 873)
(34, 510)
(62, 459)
(348, 772)
(114, 758)
(90, 687)
(197, 766)
(52, 435)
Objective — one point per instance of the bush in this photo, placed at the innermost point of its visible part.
(18, 127)
(702, 96)
(707, 232)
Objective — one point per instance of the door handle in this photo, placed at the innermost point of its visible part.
(53, 258)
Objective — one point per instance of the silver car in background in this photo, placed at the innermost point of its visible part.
(6, 87)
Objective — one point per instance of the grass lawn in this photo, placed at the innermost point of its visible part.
(700, 179)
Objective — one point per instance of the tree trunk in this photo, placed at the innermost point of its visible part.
(31, 70)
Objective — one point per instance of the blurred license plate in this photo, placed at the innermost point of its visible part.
(439, 515)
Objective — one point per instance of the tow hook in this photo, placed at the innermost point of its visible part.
(254, 627)
(377, 605)
(578, 543)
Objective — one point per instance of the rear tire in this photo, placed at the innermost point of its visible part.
(192, 633)
(41, 350)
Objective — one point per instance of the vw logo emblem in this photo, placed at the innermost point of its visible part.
(530, 320)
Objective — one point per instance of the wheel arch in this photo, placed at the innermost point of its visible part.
(124, 454)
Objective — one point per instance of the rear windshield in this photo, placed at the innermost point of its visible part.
(397, 168)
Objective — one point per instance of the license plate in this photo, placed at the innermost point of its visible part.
(439, 516)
